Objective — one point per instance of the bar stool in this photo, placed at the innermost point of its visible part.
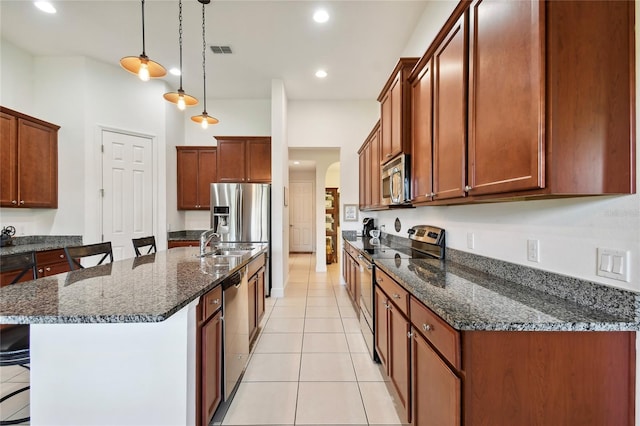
(14, 339)
(76, 253)
(139, 243)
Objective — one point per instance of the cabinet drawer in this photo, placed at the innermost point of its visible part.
(441, 335)
(182, 243)
(255, 265)
(398, 295)
(212, 302)
(50, 256)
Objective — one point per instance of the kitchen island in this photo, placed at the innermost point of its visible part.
(116, 344)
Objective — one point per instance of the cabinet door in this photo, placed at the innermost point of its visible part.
(363, 175)
(506, 96)
(435, 390)
(399, 350)
(9, 169)
(396, 116)
(231, 161)
(422, 135)
(367, 180)
(259, 161)
(207, 164)
(450, 113)
(211, 366)
(251, 299)
(381, 330)
(37, 165)
(386, 118)
(260, 290)
(187, 178)
(374, 164)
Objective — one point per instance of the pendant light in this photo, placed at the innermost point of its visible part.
(180, 98)
(141, 65)
(204, 119)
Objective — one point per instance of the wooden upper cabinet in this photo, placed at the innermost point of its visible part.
(450, 113)
(196, 171)
(29, 155)
(506, 96)
(422, 135)
(244, 159)
(259, 160)
(369, 152)
(374, 164)
(395, 123)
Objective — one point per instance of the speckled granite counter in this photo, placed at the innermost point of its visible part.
(40, 243)
(470, 299)
(146, 289)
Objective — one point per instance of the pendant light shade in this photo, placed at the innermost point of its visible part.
(180, 98)
(204, 119)
(141, 65)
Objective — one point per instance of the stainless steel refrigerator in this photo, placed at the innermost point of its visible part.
(241, 213)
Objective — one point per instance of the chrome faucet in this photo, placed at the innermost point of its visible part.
(205, 239)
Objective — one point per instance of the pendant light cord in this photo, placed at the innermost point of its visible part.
(143, 50)
(180, 37)
(204, 61)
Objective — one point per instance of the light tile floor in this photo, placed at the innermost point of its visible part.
(309, 366)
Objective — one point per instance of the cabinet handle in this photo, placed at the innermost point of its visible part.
(396, 296)
(431, 194)
(467, 188)
(379, 280)
(40, 271)
(48, 269)
(410, 335)
(389, 155)
(427, 327)
(62, 256)
(14, 202)
(21, 201)
(214, 302)
(385, 305)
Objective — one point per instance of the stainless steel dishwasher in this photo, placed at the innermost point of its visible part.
(236, 329)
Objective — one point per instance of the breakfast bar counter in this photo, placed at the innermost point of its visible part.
(116, 344)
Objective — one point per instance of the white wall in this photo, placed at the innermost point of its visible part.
(16, 77)
(332, 180)
(339, 124)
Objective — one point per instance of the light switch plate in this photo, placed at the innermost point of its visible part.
(613, 264)
(533, 250)
(470, 240)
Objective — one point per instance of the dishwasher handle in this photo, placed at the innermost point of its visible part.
(234, 280)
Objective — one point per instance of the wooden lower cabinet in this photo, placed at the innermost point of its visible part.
(209, 350)
(435, 387)
(392, 345)
(445, 377)
(351, 274)
(211, 366)
(182, 243)
(256, 294)
(48, 262)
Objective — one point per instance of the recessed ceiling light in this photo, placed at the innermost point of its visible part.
(45, 6)
(321, 16)
(175, 71)
(321, 73)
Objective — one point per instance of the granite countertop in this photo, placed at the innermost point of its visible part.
(192, 235)
(40, 243)
(145, 289)
(470, 299)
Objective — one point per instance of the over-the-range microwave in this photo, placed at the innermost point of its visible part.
(396, 181)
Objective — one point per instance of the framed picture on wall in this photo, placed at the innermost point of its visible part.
(350, 212)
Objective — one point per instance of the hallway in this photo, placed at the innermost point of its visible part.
(310, 365)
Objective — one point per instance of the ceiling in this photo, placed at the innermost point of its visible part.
(358, 46)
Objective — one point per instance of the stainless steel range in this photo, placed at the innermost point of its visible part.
(424, 242)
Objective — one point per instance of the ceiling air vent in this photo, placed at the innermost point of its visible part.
(221, 50)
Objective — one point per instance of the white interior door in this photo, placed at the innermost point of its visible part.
(127, 182)
(301, 223)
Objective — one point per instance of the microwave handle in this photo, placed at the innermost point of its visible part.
(393, 172)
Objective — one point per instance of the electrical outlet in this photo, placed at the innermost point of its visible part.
(533, 250)
(613, 264)
(470, 240)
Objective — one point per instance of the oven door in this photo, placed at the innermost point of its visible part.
(366, 302)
